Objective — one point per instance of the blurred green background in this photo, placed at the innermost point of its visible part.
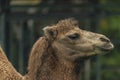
(21, 23)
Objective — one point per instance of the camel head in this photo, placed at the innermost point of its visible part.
(70, 42)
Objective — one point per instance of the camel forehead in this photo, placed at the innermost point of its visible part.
(67, 24)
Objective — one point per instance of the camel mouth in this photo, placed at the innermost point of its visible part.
(107, 48)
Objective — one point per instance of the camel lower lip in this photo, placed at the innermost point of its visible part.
(105, 49)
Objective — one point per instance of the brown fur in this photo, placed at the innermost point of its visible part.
(7, 71)
(43, 61)
(37, 56)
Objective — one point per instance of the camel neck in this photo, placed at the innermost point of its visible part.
(53, 69)
(68, 71)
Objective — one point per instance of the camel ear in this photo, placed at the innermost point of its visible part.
(50, 32)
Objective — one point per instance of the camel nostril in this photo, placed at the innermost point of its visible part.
(104, 39)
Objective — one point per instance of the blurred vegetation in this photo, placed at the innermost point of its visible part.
(114, 5)
(109, 1)
(111, 75)
(110, 26)
(24, 2)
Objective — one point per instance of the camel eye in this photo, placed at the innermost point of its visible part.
(74, 36)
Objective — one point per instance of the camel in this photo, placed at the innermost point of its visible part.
(7, 71)
(60, 53)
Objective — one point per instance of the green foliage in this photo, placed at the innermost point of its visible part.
(112, 59)
(110, 75)
(109, 1)
(111, 26)
(111, 5)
